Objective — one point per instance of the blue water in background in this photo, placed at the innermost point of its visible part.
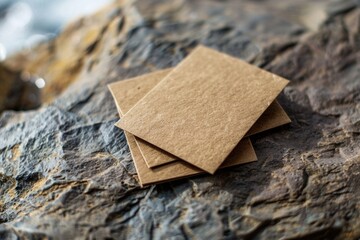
(26, 23)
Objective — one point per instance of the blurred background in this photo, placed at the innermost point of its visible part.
(32, 74)
(25, 23)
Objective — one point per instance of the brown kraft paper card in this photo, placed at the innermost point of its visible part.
(243, 153)
(201, 109)
(129, 92)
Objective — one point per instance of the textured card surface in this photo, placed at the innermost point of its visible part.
(274, 116)
(243, 153)
(201, 109)
(129, 92)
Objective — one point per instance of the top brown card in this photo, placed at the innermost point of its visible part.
(204, 107)
(128, 92)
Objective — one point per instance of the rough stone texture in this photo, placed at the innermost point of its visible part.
(66, 171)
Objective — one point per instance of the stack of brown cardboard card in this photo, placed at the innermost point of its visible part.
(198, 116)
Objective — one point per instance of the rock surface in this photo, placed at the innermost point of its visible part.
(66, 171)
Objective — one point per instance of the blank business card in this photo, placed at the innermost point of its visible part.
(201, 109)
(243, 153)
(129, 92)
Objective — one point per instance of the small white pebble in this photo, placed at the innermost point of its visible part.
(40, 82)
